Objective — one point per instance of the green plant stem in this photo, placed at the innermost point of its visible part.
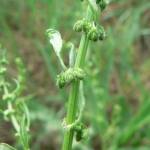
(73, 97)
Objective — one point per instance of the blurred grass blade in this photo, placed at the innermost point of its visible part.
(4, 146)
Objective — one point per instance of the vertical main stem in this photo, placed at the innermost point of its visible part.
(73, 97)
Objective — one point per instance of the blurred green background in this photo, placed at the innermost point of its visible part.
(118, 84)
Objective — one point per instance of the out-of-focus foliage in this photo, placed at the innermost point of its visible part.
(118, 83)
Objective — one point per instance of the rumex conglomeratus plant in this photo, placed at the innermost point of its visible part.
(12, 105)
(75, 74)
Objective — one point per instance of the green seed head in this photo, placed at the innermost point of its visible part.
(86, 26)
(93, 35)
(71, 74)
(102, 4)
(81, 132)
(78, 27)
(102, 36)
(101, 33)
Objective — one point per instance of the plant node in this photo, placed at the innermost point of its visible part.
(71, 74)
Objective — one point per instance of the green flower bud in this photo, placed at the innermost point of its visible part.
(102, 36)
(102, 4)
(93, 34)
(81, 132)
(86, 26)
(79, 136)
(71, 74)
(101, 33)
(78, 27)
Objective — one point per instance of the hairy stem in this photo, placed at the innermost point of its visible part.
(73, 97)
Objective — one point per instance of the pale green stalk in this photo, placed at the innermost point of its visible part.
(73, 98)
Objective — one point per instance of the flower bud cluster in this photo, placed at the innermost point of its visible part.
(102, 4)
(94, 32)
(71, 74)
(81, 132)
